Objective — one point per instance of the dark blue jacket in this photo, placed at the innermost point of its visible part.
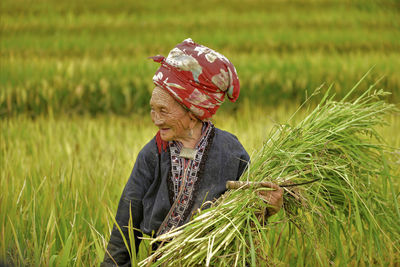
(147, 190)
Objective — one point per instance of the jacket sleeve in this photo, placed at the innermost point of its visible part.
(131, 200)
(243, 164)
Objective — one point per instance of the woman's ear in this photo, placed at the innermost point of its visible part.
(193, 119)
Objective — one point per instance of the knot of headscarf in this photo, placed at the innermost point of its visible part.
(197, 77)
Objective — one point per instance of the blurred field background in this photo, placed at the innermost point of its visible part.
(75, 83)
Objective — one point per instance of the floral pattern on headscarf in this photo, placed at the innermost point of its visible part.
(197, 77)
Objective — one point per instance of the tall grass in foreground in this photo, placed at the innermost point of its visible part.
(58, 179)
(61, 180)
(346, 214)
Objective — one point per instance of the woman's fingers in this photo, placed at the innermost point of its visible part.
(273, 186)
(268, 186)
(270, 192)
(274, 198)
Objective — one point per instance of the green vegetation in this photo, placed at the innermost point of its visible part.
(74, 57)
(348, 190)
(62, 178)
(68, 69)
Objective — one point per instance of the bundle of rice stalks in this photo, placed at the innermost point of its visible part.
(335, 171)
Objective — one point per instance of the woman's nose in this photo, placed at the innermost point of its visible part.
(157, 119)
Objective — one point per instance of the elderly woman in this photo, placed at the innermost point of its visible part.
(189, 161)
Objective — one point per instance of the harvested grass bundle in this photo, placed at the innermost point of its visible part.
(342, 163)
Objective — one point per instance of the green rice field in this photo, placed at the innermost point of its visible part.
(75, 83)
(63, 57)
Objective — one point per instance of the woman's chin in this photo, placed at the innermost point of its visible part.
(166, 137)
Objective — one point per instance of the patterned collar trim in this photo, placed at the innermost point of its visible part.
(184, 178)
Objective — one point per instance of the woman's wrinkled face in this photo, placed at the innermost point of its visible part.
(169, 116)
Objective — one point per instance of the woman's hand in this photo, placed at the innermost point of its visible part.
(272, 194)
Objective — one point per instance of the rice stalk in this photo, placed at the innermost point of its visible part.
(345, 163)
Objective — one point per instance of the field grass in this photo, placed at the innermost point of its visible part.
(73, 57)
(60, 177)
(75, 83)
(61, 180)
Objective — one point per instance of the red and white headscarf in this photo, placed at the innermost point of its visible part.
(197, 77)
